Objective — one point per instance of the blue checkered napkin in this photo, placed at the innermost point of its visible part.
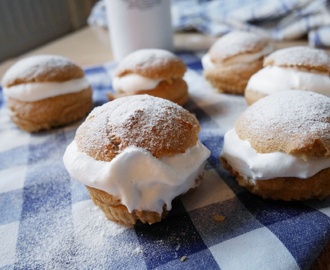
(47, 221)
(282, 20)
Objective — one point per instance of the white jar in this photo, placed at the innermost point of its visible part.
(138, 24)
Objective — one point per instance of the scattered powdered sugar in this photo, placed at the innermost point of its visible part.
(288, 114)
(144, 121)
(300, 56)
(100, 241)
(33, 65)
(235, 43)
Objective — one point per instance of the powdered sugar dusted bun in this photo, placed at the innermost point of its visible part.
(294, 68)
(41, 68)
(311, 59)
(141, 152)
(280, 147)
(46, 91)
(151, 71)
(232, 60)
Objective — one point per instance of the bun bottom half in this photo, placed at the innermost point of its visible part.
(114, 210)
(252, 96)
(51, 112)
(232, 79)
(286, 188)
(176, 91)
(117, 212)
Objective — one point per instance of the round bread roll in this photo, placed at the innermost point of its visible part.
(154, 72)
(46, 91)
(280, 146)
(233, 59)
(135, 155)
(294, 68)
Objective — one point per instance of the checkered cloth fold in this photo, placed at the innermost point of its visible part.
(278, 19)
(47, 220)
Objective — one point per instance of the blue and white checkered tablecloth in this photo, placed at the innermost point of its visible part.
(47, 220)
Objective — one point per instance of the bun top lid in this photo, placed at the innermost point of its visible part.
(300, 57)
(160, 126)
(236, 43)
(152, 63)
(41, 68)
(294, 122)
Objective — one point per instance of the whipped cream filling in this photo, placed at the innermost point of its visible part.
(244, 58)
(37, 91)
(136, 177)
(272, 79)
(133, 82)
(255, 166)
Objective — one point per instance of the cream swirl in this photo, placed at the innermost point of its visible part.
(138, 179)
(273, 79)
(30, 92)
(133, 82)
(255, 166)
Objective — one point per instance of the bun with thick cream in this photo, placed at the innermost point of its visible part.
(233, 59)
(46, 91)
(294, 68)
(135, 155)
(154, 72)
(280, 146)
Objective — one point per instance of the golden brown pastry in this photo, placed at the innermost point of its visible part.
(46, 91)
(154, 72)
(233, 59)
(294, 68)
(135, 155)
(280, 146)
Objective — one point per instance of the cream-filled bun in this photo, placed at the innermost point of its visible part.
(233, 59)
(280, 146)
(154, 72)
(46, 91)
(135, 155)
(294, 68)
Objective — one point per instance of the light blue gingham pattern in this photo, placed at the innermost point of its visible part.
(47, 220)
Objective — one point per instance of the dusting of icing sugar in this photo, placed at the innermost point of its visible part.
(300, 56)
(291, 114)
(93, 233)
(236, 43)
(146, 58)
(37, 63)
(143, 121)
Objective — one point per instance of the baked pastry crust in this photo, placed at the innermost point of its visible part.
(115, 211)
(47, 69)
(152, 63)
(172, 131)
(51, 112)
(232, 79)
(175, 90)
(286, 124)
(252, 96)
(155, 64)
